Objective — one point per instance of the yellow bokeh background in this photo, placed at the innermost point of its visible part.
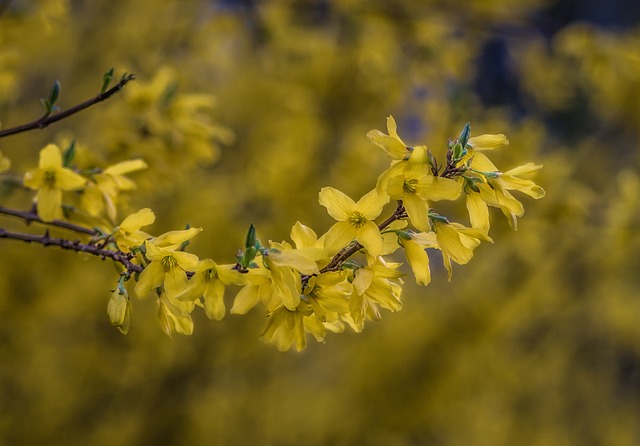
(535, 342)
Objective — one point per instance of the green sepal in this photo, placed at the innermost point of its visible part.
(458, 152)
(433, 216)
(471, 183)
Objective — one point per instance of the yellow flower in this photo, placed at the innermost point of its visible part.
(50, 179)
(168, 268)
(257, 290)
(355, 220)
(5, 163)
(174, 316)
(376, 285)
(457, 242)
(209, 282)
(105, 187)
(119, 310)
(393, 146)
(482, 143)
(414, 250)
(493, 190)
(328, 295)
(286, 327)
(128, 234)
(415, 185)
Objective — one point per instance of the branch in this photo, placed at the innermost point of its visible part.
(31, 216)
(75, 245)
(50, 119)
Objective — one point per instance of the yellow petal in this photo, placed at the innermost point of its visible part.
(49, 201)
(92, 200)
(247, 298)
(214, 301)
(125, 167)
(34, 179)
(186, 260)
(338, 205)
(134, 222)
(175, 282)
(488, 142)
(173, 239)
(50, 158)
(339, 236)
(449, 242)
(436, 188)
(418, 210)
(371, 204)
(362, 280)
(303, 236)
(369, 236)
(419, 261)
(69, 180)
(151, 278)
(296, 260)
(478, 211)
(394, 148)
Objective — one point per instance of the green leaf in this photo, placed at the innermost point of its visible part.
(69, 154)
(106, 80)
(251, 237)
(54, 93)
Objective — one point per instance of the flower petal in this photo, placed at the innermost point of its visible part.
(338, 205)
(49, 201)
(152, 277)
(144, 217)
(418, 210)
(369, 236)
(50, 158)
(371, 204)
(419, 261)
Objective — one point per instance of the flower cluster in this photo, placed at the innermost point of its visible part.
(319, 284)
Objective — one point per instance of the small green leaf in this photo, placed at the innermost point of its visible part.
(69, 154)
(251, 237)
(106, 80)
(54, 94)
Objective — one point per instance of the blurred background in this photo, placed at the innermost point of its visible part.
(243, 111)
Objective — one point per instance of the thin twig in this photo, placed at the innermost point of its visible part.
(31, 216)
(75, 245)
(50, 119)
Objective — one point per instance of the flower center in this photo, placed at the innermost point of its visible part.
(357, 219)
(410, 186)
(211, 274)
(168, 262)
(49, 178)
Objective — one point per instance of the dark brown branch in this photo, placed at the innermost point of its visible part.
(50, 119)
(31, 216)
(75, 245)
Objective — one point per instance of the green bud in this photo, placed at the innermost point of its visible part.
(464, 136)
(251, 237)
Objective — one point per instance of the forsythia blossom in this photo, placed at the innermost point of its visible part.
(50, 179)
